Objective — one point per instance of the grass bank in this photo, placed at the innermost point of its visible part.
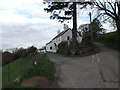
(13, 70)
(109, 39)
(44, 68)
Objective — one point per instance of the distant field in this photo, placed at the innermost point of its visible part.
(109, 39)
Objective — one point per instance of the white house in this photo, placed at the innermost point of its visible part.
(65, 35)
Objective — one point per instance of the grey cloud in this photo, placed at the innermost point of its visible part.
(28, 34)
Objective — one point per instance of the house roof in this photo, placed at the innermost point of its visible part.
(60, 34)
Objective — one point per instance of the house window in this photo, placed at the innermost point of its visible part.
(68, 38)
(50, 48)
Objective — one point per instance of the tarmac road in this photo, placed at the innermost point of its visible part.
(95, 71)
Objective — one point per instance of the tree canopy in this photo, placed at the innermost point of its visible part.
(96, 27)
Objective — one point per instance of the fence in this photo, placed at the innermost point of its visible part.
(15, 69)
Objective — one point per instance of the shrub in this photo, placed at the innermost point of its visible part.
(21, 52)
(86, 41)
(17, 53)
(63, 48)
(83, 47)
(7, 57)
(32, 49)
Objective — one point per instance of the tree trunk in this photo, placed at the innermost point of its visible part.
(118, 25)
(74, 31)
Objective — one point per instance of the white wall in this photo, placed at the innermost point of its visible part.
(50, 45)
(65, 35)
(69, 33)
(57, 41)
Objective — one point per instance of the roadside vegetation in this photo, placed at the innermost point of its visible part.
(84, 48)
(33, 64)
(109, 39)
(87, 46)
(17, 53)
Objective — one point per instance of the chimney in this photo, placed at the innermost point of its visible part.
(58, 32)
(65, 27)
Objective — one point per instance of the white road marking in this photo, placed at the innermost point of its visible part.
(98, 59)
(93, 56)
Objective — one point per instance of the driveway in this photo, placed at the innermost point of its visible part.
(95, 71)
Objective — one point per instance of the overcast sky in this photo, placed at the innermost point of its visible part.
(24, 23)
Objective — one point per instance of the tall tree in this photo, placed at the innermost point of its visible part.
(96, 27)
(74, 32)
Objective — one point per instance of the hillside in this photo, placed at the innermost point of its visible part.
(109, 39)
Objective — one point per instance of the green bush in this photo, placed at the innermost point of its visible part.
(32, 49)
(6, 57)
(21, 52)
(86, 41)
(64, 48)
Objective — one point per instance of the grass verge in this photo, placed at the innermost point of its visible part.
(109, 39)
(13, 70)
(44, 67)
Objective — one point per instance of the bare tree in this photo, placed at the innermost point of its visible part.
(109, 9)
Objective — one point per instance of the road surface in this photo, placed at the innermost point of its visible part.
(95, 71)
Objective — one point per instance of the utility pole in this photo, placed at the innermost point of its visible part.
(91, 30)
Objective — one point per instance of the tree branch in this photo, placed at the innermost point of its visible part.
(112, 7)
(108, 12)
